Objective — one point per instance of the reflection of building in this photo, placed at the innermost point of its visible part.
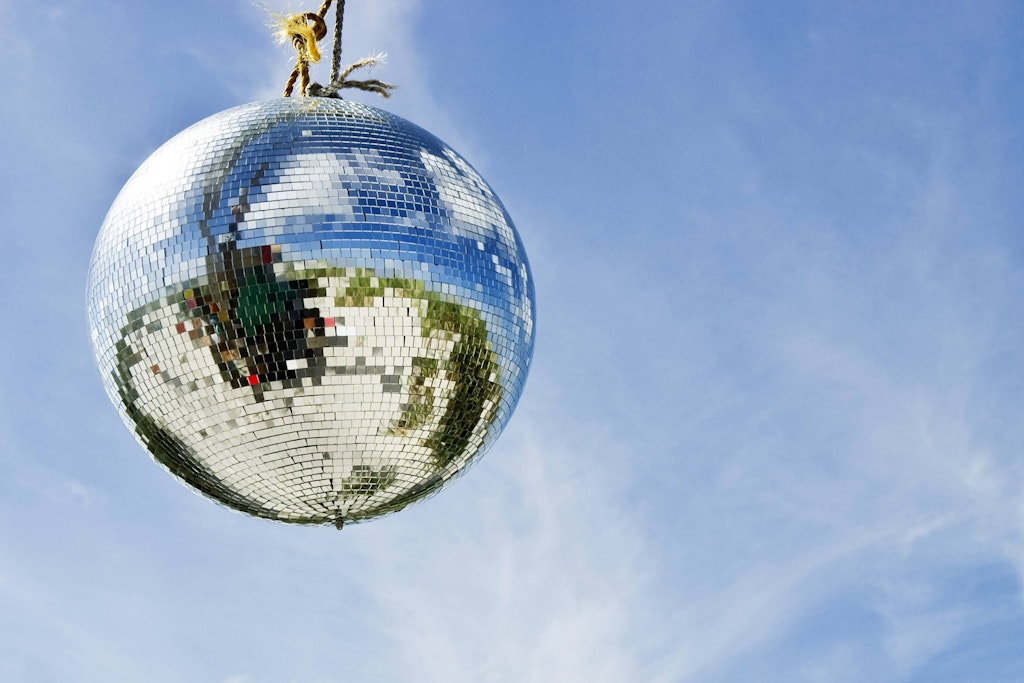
(311, 310)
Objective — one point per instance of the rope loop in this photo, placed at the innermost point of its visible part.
(296, 29)
(304, 31)
(304, 36)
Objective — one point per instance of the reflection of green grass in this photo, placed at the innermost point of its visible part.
(366, 481)
(470, 369)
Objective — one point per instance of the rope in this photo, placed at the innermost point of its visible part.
(297, 30)
(339, 19)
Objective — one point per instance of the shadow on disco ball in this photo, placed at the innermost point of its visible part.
(402, 426)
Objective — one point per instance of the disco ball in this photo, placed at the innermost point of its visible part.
(311, 310)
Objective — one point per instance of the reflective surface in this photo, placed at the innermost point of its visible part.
(311, 310)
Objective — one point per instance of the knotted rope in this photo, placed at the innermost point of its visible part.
(303, 31)
(297, 30)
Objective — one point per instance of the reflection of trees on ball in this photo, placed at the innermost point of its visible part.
(264, 348)
(311, 311)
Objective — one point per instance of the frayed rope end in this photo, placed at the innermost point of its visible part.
(370, 85)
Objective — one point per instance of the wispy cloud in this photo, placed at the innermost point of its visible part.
(536, 580)
(774, 421)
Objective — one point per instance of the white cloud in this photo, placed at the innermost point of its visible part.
(539, 586)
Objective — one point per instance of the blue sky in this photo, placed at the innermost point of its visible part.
(772, 431)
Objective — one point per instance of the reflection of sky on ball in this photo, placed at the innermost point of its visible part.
(310, 309)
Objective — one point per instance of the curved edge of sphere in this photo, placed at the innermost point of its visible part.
(311, 310)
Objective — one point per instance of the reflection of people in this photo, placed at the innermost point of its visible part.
(311, 395)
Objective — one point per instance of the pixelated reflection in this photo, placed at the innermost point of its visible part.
(311, 310)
